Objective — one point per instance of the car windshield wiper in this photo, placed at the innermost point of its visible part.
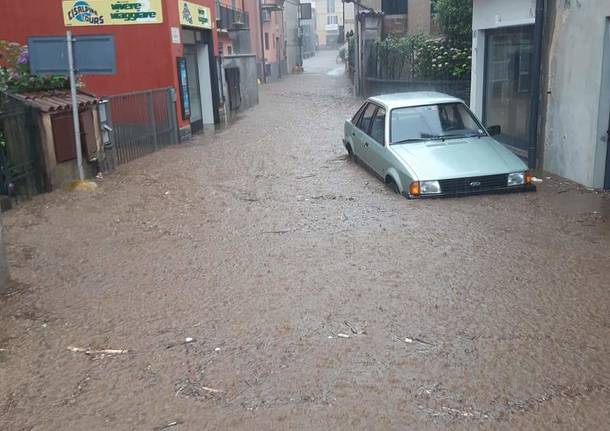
(407, 141)
(431, 137)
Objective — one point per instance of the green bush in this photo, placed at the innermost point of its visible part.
(15, 73)
(415, 57)
(454, 17)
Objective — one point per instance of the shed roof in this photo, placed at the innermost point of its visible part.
(55, 100)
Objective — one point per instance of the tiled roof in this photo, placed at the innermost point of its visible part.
(55, 100)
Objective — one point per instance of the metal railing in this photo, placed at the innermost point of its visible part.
(233, 19)
(140, 123)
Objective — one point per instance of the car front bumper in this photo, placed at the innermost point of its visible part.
(500, 190)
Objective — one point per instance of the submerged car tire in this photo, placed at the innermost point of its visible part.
(392, 185)
(350, 152)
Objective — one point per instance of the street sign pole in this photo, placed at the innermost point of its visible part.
(72, 73)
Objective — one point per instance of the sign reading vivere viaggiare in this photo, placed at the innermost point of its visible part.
(112, 12)
(194, 15)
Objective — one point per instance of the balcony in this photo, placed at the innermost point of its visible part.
(232, 19)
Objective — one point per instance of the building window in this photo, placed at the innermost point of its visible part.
(266, 15)
(229, 50)
(330, 6)
(331, 19)
(266, 40)
(395, 7)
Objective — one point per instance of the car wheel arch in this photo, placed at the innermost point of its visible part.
(393, 176)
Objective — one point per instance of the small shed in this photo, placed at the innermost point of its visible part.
(53, 116)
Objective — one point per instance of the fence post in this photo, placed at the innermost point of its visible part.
(153, 120)
(171, 109)
(4, 275)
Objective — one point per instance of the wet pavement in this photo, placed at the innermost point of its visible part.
(311, 296)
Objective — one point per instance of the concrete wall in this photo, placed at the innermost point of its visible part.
(291, 11)
(578, 92)
(418, 17)
(490, 14)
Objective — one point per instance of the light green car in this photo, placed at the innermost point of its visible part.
(427, 144)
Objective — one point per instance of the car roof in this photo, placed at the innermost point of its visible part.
(414, 98)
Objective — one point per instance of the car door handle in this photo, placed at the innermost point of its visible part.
(366, 144)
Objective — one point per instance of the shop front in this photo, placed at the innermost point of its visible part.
(154, 39)
(198, 68)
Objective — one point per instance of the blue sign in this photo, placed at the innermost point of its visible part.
(184, 89)
(93, 55)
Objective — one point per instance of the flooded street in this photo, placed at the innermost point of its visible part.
(261, 280)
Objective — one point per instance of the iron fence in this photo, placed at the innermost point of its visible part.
(395, 66)
(140, 123)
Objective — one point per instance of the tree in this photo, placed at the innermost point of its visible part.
(454, 18)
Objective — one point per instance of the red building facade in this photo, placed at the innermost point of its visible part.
(153, 38)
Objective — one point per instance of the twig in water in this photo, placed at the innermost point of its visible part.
(96, 352)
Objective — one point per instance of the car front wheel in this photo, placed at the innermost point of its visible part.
(350, 152)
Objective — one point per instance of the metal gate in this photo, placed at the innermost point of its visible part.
(20, 170)
(232, 76)
(138, 124)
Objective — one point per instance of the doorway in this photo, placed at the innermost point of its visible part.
(201, 77)
(192, 72)
(508, 85)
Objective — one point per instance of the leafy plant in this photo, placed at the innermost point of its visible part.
(454, 18)
(15, 73)
(414, 57)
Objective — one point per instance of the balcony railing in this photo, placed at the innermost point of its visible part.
(233, 19)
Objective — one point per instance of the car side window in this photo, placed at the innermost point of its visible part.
(378, 126)
(356, 117)
(365, 121)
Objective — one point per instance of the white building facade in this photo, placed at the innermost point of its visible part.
(541, 70)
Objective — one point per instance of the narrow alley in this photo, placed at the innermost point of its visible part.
(259, 279)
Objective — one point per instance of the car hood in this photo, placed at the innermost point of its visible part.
(458, 158)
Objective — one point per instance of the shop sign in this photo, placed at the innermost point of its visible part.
(79, 13)
(195, 15)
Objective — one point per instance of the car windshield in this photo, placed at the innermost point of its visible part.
(441, 121)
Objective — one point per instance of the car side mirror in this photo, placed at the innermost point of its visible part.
(494, 130)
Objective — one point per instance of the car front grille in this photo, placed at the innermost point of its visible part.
(472, 185)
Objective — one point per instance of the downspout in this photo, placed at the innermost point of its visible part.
(536, 78)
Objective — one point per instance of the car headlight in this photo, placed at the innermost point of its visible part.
(516, 179)
(429, 187)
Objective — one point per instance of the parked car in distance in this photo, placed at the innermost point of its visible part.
(428, 144)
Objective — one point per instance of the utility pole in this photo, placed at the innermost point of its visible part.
(75, 119)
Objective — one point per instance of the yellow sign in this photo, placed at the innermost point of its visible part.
(195, 15)
(78, 13)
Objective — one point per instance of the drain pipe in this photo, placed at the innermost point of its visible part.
(535, 104)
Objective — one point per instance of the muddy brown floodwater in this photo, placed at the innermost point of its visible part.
(267, 247)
